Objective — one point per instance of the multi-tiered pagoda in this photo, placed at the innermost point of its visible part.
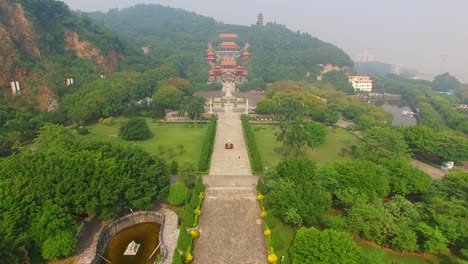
(224, 58)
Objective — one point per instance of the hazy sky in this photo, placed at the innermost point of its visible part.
(429, 35)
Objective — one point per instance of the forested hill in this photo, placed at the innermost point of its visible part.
(181, 36)
(42, 43)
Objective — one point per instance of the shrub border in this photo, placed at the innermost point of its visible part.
(182, 255)
(208, 145)
(254, 155)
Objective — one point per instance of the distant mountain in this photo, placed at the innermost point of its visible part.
(42, 43)
(176, 35)
(381, 69)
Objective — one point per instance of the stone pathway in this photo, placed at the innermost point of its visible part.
(227, 161)
(88, 240)
(230, 226)
(170, 234)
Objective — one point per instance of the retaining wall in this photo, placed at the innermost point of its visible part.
(129, 220)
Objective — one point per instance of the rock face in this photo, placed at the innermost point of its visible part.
(85, 50)
(329, 68)
(19, 27)
(20, 52)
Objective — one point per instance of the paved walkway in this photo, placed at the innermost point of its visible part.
(170, 234)
(230, 227)
(227, 161)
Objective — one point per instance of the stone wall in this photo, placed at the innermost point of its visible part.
(129, 220)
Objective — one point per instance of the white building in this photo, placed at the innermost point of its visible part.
(361, 83)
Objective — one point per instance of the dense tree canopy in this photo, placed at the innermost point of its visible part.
(445, 82)
(295, 192)
(41, 191)
(323, 247)
(300, 135)
(356, 181)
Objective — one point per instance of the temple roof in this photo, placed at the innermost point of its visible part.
(239, 67)
(228, 44)
(210, 53)
(229, 63)
(246, 53)
(227, 35)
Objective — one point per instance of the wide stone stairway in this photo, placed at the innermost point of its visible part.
(230, 226)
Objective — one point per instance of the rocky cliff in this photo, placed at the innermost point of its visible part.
(27, 30)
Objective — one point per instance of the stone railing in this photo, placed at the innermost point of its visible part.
(129, 220)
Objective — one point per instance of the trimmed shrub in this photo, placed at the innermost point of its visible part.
(207, 150)
(199, 186)
(183, 242)
(177, 259)
(178, 194)
(254, 155)
(188, 217)
(135, 129)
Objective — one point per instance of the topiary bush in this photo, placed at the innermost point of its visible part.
(178, 194)
(135, 129)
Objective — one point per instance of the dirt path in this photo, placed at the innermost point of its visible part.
(230, 226)
(435, 173)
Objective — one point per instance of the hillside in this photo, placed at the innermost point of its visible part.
(42, 43)
(181, 36)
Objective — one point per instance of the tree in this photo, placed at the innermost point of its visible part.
(51, 135)
(53, 230)
(299, 135)
(295, 192)
(356, 179)
(178, 194)
(265, 106)
(329, 246)
(60, 245)
(168, 97)
(339, 79)
(405, 178)
(431, 239)
(195, 107)
(135, 129)
(187, 173)
(182, 84)
(383, 142)
(445, 82)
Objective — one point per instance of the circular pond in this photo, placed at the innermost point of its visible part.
(145, 234)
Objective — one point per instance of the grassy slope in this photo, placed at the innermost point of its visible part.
(337, 138)
(165, 141)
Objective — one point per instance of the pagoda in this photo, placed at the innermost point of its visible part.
(223, 59)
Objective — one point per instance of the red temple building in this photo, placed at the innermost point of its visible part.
(245, 55)
(223, 59)
(210, 57)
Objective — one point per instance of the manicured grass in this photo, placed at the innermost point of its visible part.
(336, 148)
(172, 141)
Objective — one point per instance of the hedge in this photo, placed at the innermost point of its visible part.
(207, 149)
(189, 221)
(271, 250)
(254, 154)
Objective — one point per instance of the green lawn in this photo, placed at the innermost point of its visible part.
(336, 148)
(173, 141)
